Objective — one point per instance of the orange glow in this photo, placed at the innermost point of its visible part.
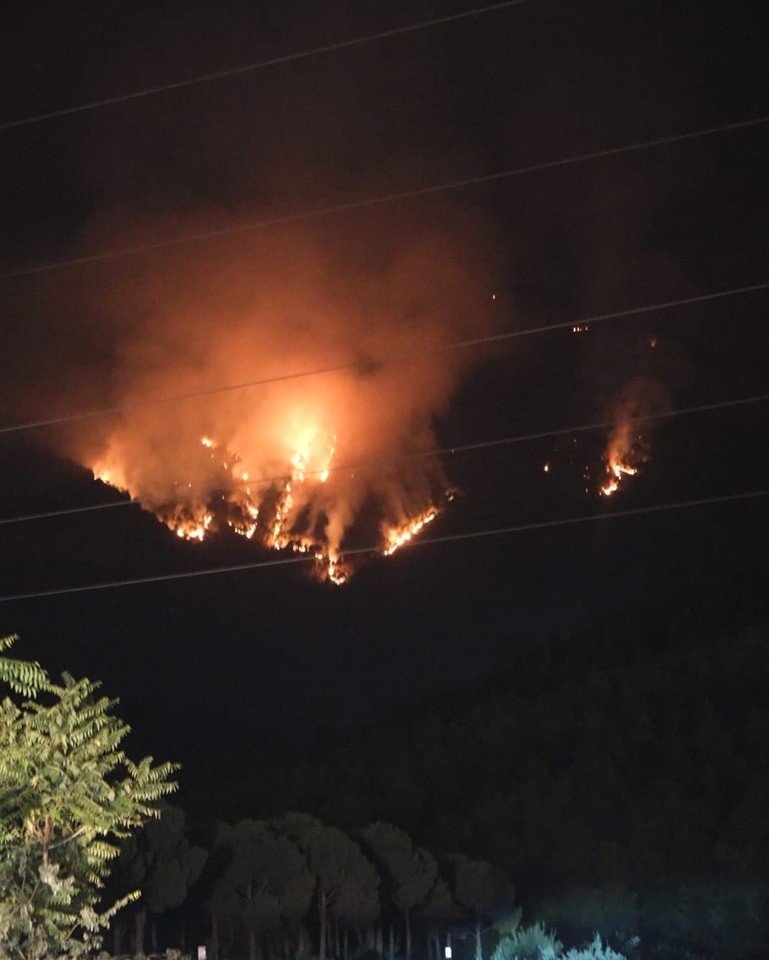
(625, 452)
(395, 537)
(282, 514)
(311, 464)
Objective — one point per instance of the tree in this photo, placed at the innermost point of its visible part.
(67, 794)
(411, 871)
(162, 862)
(266, 885)
(484, 891)
(357, 902)
(439, 910)
(344, 878)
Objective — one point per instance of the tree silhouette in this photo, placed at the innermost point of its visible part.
(343, 876)
(164, 864)
(411, 872)
(484, 891)
(266, 885)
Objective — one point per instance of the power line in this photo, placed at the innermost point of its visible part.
(388, 358)
(422, 454)
(262, 64)
(360, 551)
(370, 202)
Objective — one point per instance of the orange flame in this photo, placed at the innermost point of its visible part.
(395, 537)
(243, 502)
(625, 452)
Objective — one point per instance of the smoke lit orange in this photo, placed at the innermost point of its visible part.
(627, 448)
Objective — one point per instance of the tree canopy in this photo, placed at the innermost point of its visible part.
(68, 794)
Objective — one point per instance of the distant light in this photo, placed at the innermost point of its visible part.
(202, 952)
(546, 468)
(493, 297)
(447, 953)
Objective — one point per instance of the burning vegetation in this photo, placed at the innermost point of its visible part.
(301, 510)
(312, 464)
(625, 453)
(627, 448)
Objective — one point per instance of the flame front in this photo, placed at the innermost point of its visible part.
(396, 536)
(288, 511)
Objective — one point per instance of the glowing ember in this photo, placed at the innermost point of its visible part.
(244, 516)
(618, 471)
(336, 574)
(395, 537)
(625, 452)
(186, 526)
(627, 449)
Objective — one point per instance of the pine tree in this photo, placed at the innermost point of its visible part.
(67, 793)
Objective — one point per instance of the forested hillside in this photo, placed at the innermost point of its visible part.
(615, 770)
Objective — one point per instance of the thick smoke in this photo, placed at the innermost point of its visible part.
(314, 463)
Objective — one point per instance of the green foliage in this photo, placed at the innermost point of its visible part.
(595, 950)
(25, 677)
(538, 943)
(528, 943)
(67, 794)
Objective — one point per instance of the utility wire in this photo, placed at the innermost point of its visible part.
(421, 454)
(371, 202)
(388, 358)
(360, 551)
(262, 64)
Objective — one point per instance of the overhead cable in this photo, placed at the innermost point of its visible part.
(397, 356)
(419, 454)
(262, 64)
(360, 551)
(371, 202)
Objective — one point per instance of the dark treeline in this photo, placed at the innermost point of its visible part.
(294, 887)
(620, 778)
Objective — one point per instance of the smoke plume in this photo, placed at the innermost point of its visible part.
(310, 463)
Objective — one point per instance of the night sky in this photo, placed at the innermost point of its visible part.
(270, 661)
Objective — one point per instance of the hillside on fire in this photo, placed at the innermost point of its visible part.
(383, 488)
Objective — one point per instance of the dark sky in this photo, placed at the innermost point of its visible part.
(264, 660)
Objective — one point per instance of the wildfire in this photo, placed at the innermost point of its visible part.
(617, 471)
(395, 537)
(292, 513)
(245, 516)
(625, 452)
(188, 524)
(326, 471)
